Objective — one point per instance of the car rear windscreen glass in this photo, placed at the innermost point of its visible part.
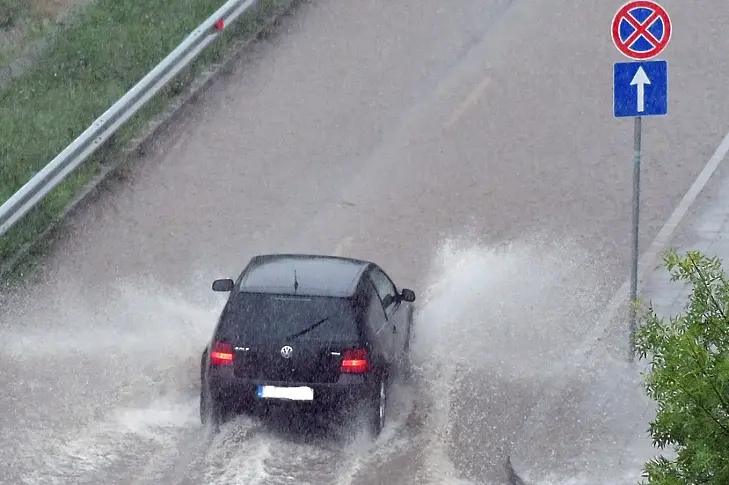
(261, 316)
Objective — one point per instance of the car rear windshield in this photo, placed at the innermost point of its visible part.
(261, 316)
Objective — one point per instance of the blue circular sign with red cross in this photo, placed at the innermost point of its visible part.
(641, 29)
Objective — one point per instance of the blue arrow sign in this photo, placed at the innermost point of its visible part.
(640, 88)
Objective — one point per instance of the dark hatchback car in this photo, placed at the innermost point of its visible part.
(321, 330)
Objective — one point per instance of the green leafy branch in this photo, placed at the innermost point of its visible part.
(689, 376)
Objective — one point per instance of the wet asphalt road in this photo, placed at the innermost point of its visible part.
(414, 134)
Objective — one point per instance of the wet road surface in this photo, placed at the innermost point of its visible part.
(469, 149)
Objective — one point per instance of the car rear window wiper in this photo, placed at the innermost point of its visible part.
(307, 329)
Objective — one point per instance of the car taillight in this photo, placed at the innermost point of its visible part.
(222, 354)
(355, 361)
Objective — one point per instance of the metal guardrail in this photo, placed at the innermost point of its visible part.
(108, 123)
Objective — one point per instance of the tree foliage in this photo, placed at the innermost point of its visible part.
(688, 376)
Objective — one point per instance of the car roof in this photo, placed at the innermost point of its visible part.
(317, 275)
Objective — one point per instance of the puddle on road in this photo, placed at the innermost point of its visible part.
(94, 385)
(489, 325)
(117, 445)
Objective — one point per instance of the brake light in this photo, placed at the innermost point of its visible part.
(355, 361)
(222, 354)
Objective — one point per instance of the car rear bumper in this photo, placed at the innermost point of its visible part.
(350, 389)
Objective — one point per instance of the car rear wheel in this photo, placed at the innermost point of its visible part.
(211, 410)
(379, 406)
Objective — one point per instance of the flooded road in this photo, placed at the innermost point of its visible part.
(442, 143)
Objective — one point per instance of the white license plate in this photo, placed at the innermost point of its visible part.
(302, 393)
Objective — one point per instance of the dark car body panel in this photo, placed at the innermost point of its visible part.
(343, 289)
(310, 363)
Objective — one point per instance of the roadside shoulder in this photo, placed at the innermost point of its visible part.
(592, 425)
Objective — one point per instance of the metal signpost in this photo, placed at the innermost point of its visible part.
(641, 29)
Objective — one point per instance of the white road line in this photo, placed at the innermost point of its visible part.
(554, 393)
(470, 100)
(660, 243)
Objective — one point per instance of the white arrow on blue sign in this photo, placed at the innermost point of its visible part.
(640, 88)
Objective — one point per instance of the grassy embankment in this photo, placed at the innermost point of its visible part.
(18, 28)
(108, 48)
(26, 26)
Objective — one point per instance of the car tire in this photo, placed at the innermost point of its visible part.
(211, 410)
(378, 411)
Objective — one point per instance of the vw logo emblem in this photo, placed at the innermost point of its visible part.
(286, 352)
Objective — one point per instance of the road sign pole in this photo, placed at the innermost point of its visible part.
(641, 29)
(637, 135)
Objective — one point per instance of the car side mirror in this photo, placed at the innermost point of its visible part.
(407, 295)
(223, 285)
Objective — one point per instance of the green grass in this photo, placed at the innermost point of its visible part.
(22, 25)
(109, 47)
(10, 12)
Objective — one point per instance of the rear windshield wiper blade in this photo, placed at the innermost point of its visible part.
(307, 330)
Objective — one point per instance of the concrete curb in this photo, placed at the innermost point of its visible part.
(139, 144)
(607, 460)
(511, 475)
